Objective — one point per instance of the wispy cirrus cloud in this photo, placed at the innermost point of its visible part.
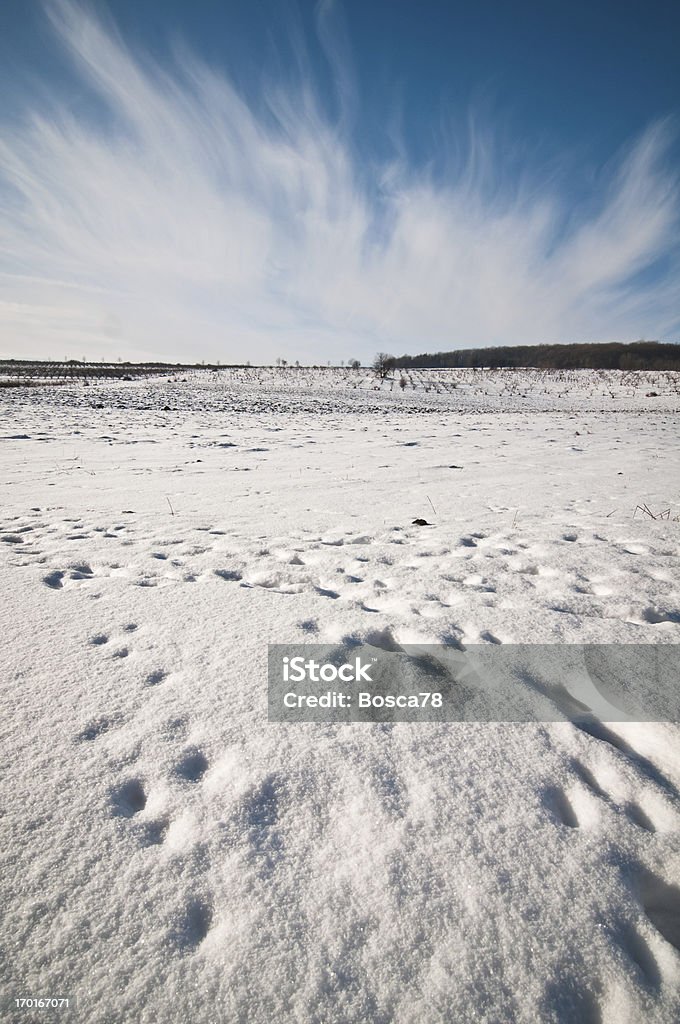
(185, 220)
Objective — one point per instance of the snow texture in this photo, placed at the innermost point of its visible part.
(169, 855)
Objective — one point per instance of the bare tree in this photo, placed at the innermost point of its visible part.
(354, 364)
(383, 364)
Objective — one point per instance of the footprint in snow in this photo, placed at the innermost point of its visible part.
(54, 580)
(193, 926)
(97, 727)
(599, 731)
(192, 766)
(588, 778)
(558, 803)
(310, 626)
(231, 575)
(58, 578)
(174, 728)
(156, 677)
(655, 615)
(128, 799)
(661, 903)
(153, 833)
(637, 949)
(632, 810)
(490, 638)
(639, 817)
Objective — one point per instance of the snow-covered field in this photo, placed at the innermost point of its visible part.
(170, 855)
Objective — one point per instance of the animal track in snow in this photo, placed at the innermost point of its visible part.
(285, 566)
(273, 582)
(194, 925)
(558, 803)
(661, 904)
(59, 578)
(622, 803)
(310, 626)
(587, 777)
(639, 952)
(153, 833)
(638, 816)
(54, 579)
(173, 729)
(383, 639)
(128, 799)
(231, 575)
(156, 677)
(655, 616)
(602, 733)
(98, 727)
(192, 766)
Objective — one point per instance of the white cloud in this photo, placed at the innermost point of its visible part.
(191, 222)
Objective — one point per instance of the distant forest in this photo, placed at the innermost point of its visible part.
(639, 355)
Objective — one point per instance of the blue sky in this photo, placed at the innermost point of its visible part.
(247, 180)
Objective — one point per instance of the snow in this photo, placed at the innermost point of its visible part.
(168, 854)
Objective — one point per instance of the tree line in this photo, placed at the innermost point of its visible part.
(638, 355)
